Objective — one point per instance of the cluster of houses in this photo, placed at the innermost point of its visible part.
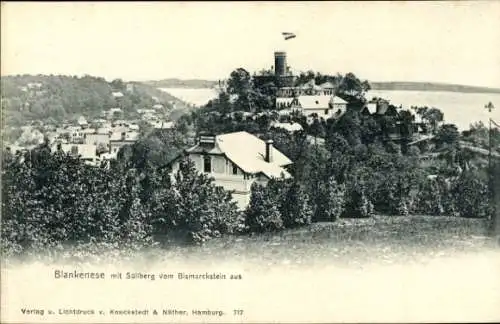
(311, 100)
(94, 142)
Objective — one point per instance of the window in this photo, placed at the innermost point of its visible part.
(235, 169)
(207, 164)
(326, 111)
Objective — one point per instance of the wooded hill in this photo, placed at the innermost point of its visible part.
(61, 97)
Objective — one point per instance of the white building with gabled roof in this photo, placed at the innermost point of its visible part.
(237, 160)
(321, 106)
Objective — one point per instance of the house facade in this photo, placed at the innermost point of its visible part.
(97, 138)
(86, 152)
(236, 161)
(119, 139)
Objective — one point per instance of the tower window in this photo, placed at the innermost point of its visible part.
(207, 164)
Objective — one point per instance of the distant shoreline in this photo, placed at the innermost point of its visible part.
(393, 85)
(430, 86)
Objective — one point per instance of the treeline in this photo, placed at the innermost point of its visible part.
(54, 98)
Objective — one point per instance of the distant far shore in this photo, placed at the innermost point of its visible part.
(430, 86)
(394, 85)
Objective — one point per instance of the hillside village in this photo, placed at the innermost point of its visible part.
(94, 140)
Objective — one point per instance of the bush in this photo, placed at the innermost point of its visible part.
(330, 200)
(358, 205)
(193, 204)
(430, 198)
(470, 195)
(295, 208)
(262, 214)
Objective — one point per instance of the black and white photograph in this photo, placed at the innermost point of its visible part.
(250, 162)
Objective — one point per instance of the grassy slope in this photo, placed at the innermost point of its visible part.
(347, 242)
(381, 238)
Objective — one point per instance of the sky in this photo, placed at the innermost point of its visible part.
(451, 42)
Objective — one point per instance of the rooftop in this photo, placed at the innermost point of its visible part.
(247, 152)
(314, 102)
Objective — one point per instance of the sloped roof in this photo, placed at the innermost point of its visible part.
(338, 100)
(247, 152)
(314, 102)
(327, 85)
(372, 107)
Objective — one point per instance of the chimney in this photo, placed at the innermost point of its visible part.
(269, 151)
(207, 140)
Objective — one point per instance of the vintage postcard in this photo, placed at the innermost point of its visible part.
(250, 162)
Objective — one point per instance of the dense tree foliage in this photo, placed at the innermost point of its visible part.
(51, 200)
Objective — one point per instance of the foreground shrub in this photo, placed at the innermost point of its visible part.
(470, 194)
(193, 204)
(465, 196)
(294, 206)
(429, 198)
(262, 214)
(330, 200)
(357, 203)
(50, 200)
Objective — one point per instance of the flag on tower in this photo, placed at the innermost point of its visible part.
(288, 35)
